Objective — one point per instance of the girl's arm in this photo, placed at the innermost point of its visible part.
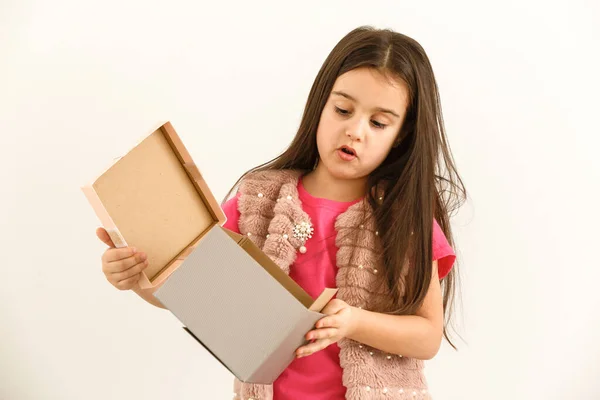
(416, 336)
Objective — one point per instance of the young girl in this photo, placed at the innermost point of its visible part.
(359, 201)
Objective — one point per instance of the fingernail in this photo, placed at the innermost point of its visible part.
(134, 250)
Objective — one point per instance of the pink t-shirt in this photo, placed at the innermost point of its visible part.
(314, 271)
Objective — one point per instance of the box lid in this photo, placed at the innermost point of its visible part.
(155, 199)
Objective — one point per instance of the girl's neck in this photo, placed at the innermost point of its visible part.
(320, 183)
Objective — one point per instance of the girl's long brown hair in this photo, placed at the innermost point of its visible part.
(418, 177)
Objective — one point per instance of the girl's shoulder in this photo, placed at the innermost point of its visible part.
(253, 183)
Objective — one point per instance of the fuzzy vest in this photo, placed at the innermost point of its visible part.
(270, 209)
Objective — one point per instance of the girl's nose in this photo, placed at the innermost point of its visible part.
(356, 130)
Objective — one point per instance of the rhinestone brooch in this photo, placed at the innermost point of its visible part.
(303, 231)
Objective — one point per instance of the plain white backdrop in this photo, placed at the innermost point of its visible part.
(81, 82)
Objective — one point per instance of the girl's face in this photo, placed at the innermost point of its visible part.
(360, 123)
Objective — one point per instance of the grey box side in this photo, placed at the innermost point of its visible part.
(284, 354)
(231, 304)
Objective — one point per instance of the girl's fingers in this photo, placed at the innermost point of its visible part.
(313, 347)
(325, 333)
(135, 270)
(333, 307)
(112, 255)
(328, 322)
(124, 264)
(104, 237)
(128, 283)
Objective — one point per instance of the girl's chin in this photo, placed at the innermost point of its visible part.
(341, 171)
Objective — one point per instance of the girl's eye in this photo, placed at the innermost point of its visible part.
(378, 125)
(341, 111)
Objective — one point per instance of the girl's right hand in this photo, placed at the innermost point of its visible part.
(121, 266)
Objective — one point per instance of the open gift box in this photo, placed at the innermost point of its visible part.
(229, 295)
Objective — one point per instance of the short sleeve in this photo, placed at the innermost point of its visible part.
(442, 251)
(230, 208)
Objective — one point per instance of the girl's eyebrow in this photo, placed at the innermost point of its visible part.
(346, 95)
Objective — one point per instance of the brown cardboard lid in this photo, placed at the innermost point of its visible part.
(156, 199)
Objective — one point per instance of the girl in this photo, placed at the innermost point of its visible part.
(359, 201)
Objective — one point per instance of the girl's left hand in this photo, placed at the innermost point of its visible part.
(339, 323)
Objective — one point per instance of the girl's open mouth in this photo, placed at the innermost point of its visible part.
(346, 153)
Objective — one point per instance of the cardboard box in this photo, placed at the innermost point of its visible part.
(230, 296)
(155, 199)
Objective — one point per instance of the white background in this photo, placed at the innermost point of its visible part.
(81, 82)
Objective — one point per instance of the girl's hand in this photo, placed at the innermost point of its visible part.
(121, 266)
(339, 323)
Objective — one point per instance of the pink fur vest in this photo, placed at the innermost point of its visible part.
(270, 209)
